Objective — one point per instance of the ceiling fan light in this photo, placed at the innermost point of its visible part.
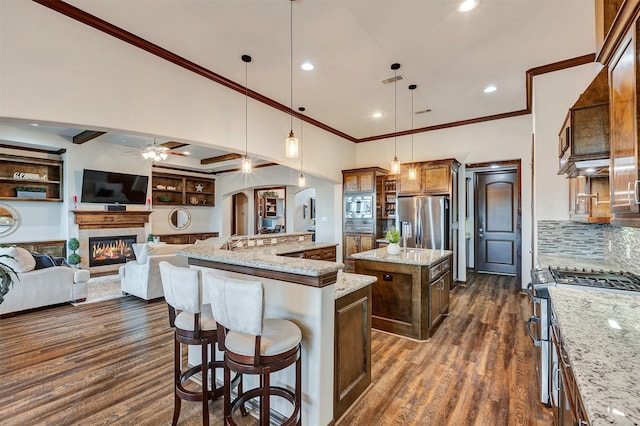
(146, 155)
(246, 165)
(163, 155)
(291, 146)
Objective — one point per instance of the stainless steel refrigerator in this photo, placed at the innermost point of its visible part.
(425, 221)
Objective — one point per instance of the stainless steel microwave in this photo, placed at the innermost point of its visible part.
(358, 207)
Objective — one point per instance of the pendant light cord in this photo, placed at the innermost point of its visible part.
(395, 112)
(291, 63)
(246, 110)
(412, 108)
(301, 136)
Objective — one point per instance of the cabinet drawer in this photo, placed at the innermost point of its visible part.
(329, 254)
(436, 270)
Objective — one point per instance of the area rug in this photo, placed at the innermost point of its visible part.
(102, 288)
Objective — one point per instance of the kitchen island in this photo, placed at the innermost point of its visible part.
(601, 335)
(411, 295)
(306, 292)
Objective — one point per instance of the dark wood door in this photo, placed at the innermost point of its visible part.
(496, 222)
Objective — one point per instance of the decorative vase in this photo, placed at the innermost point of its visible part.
(393, 248)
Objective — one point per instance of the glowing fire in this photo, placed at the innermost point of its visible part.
(115, 249)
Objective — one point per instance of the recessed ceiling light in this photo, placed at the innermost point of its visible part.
(490, 89)
(307, 66)
(377, 114)
(34, 124)
(467, 5)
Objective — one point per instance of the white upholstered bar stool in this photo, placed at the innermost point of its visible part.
(193, 326)
(253, 345)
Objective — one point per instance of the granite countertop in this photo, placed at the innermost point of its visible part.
(412, 256)
(348, 283)
(295, 247)
(265, 257)
(576, 262)
(601, 331)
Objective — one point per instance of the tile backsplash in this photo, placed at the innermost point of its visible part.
(591, 241)
(565, 238)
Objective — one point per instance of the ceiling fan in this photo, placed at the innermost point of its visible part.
(157, 152)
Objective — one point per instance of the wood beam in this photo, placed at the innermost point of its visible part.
(220, 158)
(174, 144)
(259, 166)
(86, 136)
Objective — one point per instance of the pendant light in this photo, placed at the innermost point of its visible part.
(291, 143)
(395, 164)
(302, 182)
(246, 161)
(413, 173)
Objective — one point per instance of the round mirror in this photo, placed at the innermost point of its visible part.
(9, 220)
(179, 218)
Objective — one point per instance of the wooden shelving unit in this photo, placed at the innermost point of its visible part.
(12, 166)
(174, 190)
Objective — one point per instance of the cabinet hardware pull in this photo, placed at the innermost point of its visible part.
(635, 191)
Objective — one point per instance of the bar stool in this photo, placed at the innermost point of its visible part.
(194, 325)
(253, 345)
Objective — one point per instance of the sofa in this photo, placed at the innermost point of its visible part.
(45, 286)
(141, 277)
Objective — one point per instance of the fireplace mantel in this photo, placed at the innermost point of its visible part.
(99, 219)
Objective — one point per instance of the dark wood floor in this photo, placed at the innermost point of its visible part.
(111, 363)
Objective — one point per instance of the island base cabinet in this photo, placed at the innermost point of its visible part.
(352, 349)
(407, 299)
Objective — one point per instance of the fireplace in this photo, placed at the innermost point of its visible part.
(111, 250)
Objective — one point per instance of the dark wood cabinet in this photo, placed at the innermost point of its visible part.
(352, 354)
(30, 179)
(362, 180)
(624, 132)
(619, 53)
(356, 243)
(408, 186)
(174, 190)
(359, 231)
(409, 300)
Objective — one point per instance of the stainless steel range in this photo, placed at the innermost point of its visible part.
(540, 321)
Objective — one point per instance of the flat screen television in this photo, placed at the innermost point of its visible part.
(109, 187)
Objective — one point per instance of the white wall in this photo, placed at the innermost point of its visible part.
(507, 139)
(328, 213)
(67, 72)
(302, 221)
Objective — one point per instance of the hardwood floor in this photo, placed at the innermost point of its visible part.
(478, 368)
(111, 363)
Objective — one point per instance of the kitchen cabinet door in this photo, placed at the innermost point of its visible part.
(624, 131)
(437, 179)
(407, 186)
(367, 242)
(359, 181)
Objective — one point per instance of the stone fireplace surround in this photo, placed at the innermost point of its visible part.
(107, 224)
(83, 251)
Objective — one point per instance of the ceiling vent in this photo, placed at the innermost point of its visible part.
(392, 79)
(424, 111)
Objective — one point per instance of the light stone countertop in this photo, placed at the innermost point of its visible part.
(601, 331)
(348, 283)
(412, 256)
(263, 258)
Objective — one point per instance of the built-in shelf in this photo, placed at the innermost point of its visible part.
(174, 190)
(46, 174)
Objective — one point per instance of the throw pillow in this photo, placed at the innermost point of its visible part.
(59, 261)
(22, 260)
(42, 260)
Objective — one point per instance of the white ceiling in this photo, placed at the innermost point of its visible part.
(451, 56)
